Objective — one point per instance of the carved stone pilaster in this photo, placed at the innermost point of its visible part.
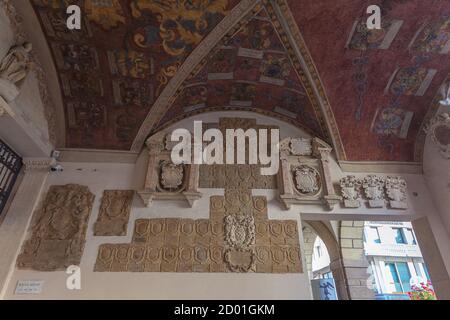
(396, 192)
(323, 151)
(439, 130)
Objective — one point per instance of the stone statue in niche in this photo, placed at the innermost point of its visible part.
(171, 176)
(14, 67)
(396, 192)
(350, 191)
(307, 180)
(374, 190)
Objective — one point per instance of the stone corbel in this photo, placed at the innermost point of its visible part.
(322, 151)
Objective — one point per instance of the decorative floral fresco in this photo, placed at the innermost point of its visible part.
(113, 69)
(380, 83)
(251, 71)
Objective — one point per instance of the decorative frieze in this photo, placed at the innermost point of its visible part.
(58, 235)
(114, 213)
(376, 190)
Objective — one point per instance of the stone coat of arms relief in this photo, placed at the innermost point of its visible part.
(58, 235)
(350, 191)
(376, 190)
(307, 180)
(238, 236)
(114, 213)
(305, 175)
(172, 176)
(166, 180)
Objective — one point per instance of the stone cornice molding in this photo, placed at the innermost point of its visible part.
(38, 164)
(381, 167)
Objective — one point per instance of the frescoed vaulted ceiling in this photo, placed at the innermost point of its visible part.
(249, 71)
(378, 86)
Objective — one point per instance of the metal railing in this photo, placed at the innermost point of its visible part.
(10, 164)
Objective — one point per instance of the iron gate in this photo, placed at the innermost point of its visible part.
(10, 164)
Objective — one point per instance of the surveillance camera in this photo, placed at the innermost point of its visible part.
(55, 154)
(57, 168)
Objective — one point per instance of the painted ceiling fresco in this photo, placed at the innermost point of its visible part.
(249, 71)
(113, 69)
(380, 84)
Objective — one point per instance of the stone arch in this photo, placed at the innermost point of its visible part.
(321, 229)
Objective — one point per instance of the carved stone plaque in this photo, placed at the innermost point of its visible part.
(238, 237)
(114, 213)
(58, 235)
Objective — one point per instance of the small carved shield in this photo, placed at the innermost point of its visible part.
(306, 180)
(240, 230)
(171, 176)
